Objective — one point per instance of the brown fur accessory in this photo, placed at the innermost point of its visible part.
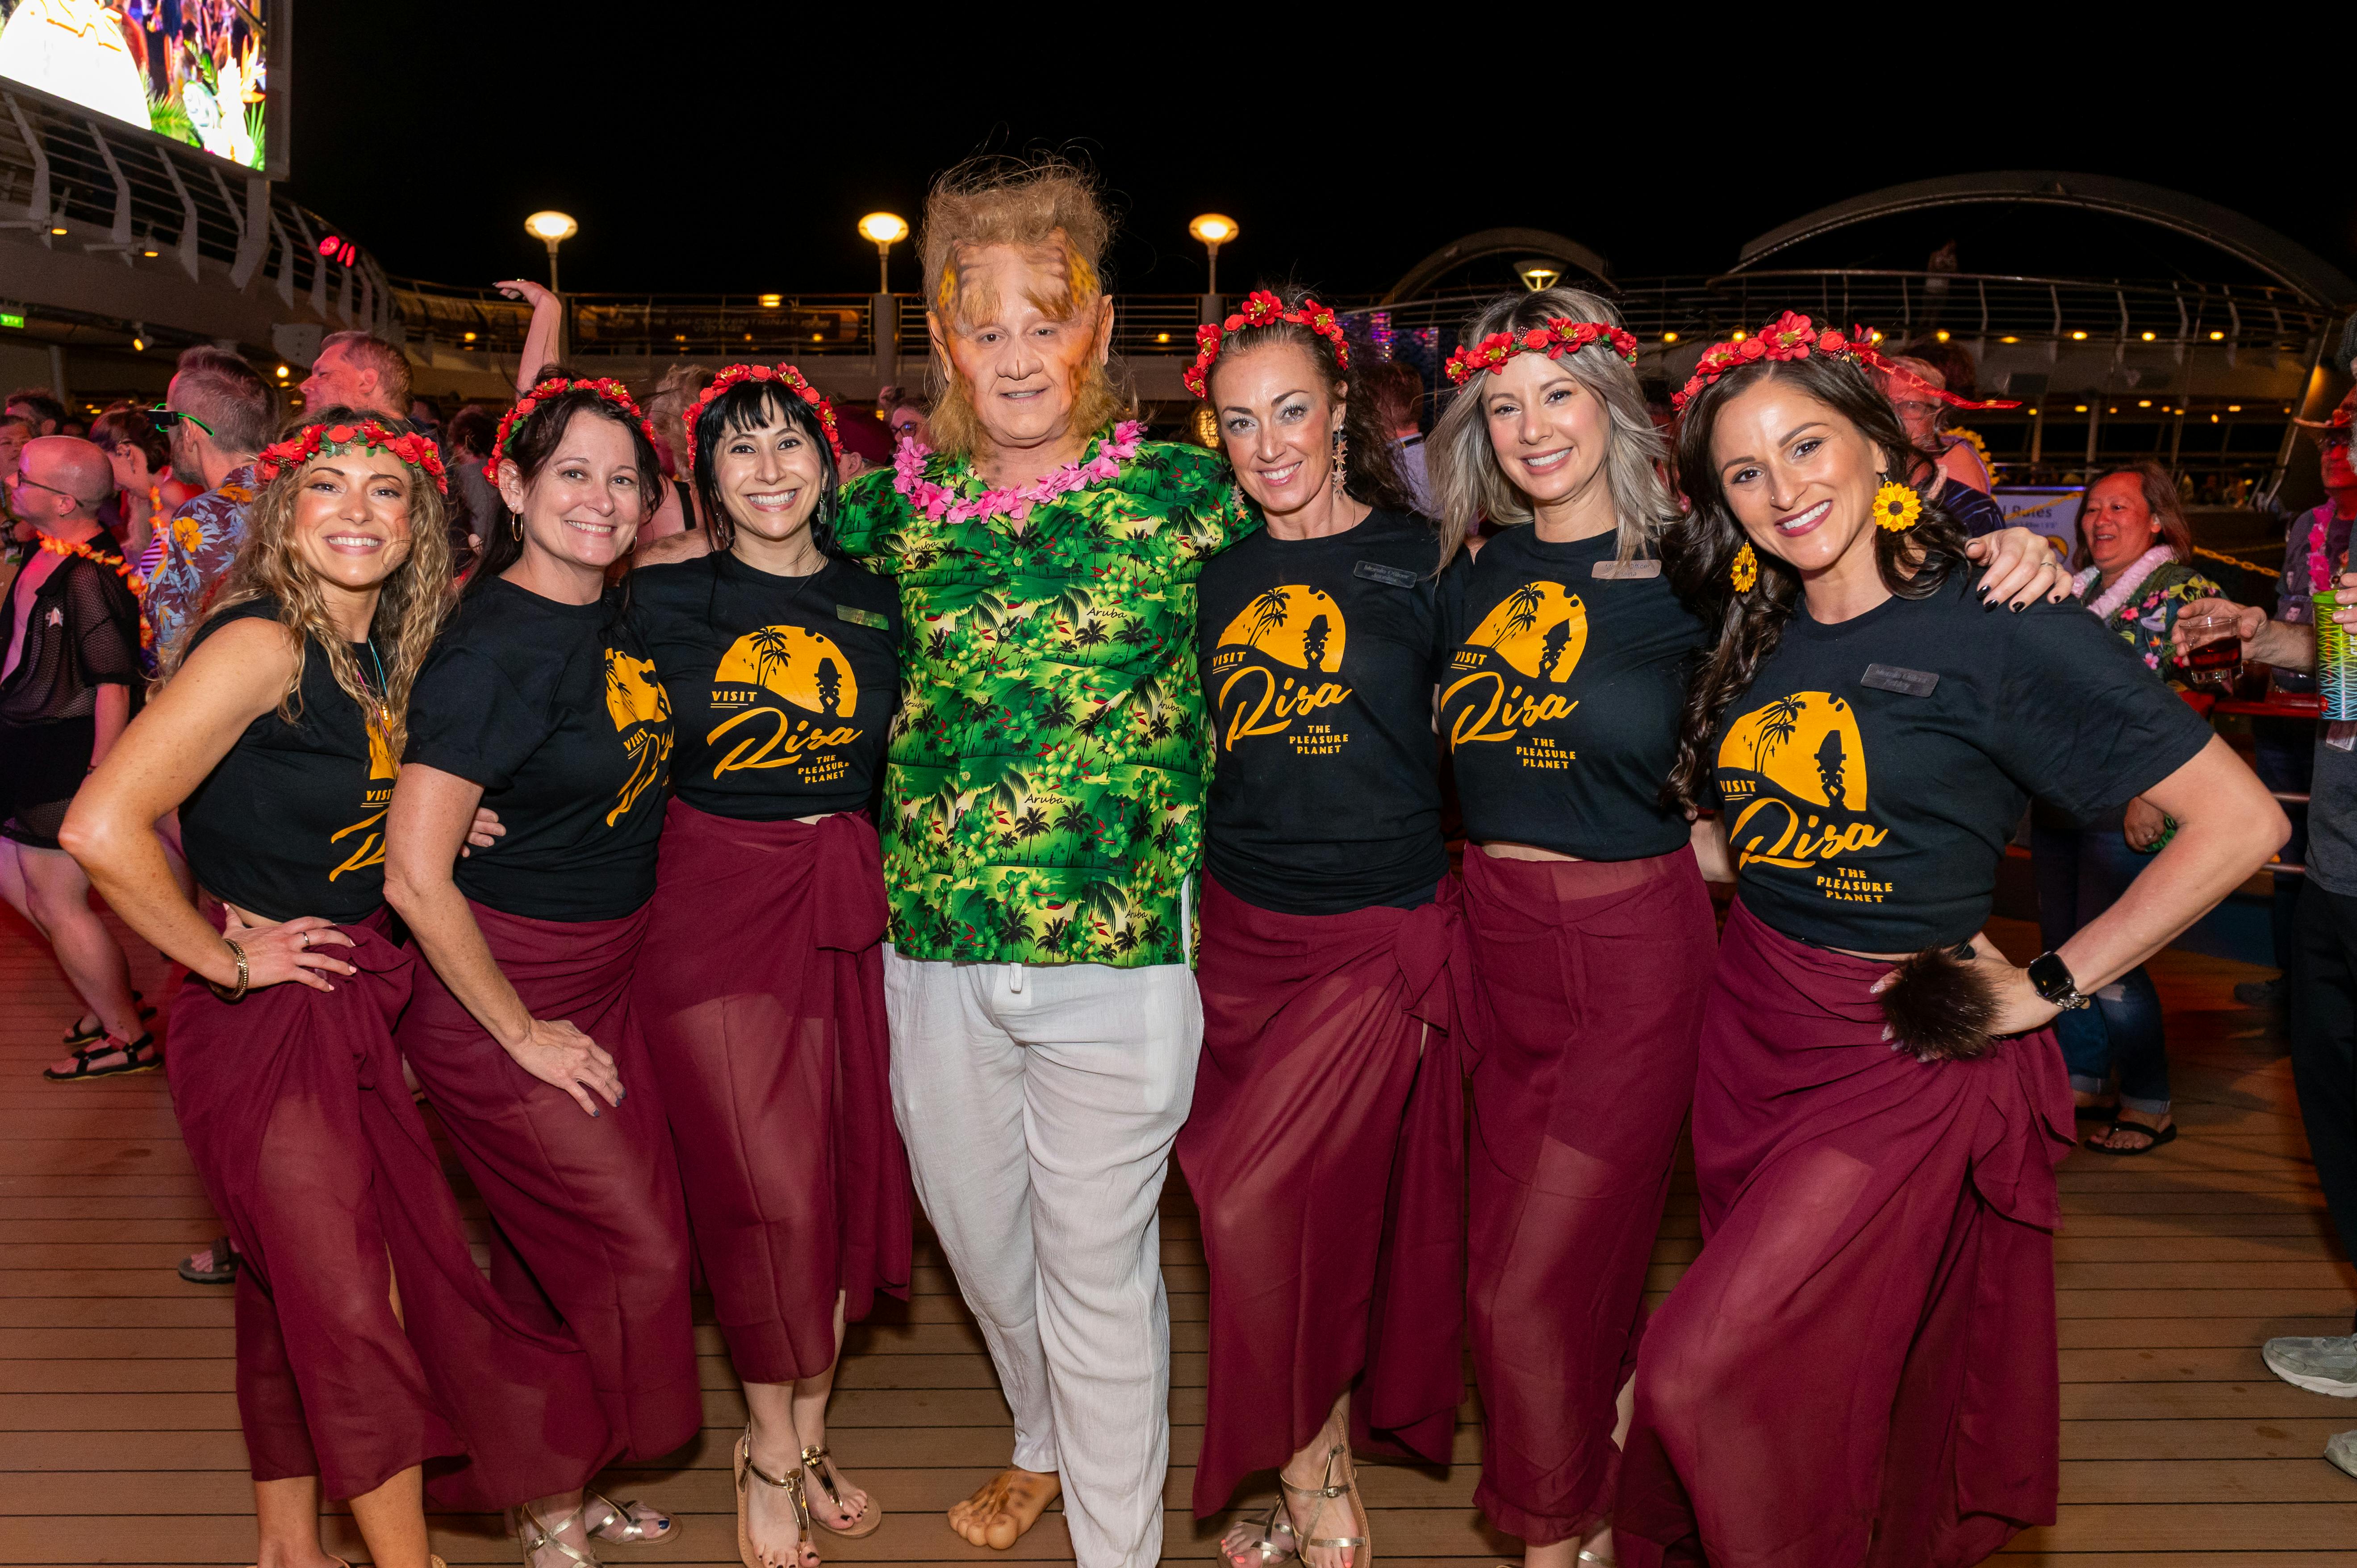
(1938, 1005)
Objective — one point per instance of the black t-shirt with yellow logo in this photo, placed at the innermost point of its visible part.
(1561, 698)
(1873, 771)
(1317, 658)
(783, 688)
(555, 710)
(292, 820)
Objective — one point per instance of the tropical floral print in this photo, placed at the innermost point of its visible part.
(200, 544)
(1044, 791)
(2150, 615)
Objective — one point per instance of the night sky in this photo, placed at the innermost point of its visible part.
(737, 154)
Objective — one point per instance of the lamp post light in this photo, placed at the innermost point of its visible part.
(553, 229)
(887, 230)
(1215, 230)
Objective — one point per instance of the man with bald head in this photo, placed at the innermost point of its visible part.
(72, 654)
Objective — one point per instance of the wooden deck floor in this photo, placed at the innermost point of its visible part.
(118, 1428)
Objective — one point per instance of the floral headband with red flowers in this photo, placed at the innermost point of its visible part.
(1261, 308)
(1794, 337)
(738, 375)
(609, 391)
(1560, 336)
(291, 455)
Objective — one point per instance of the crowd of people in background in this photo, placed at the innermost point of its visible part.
(735, 812)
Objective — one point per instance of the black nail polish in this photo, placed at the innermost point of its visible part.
(2019, 608)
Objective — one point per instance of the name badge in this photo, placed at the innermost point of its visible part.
(1906, 682)
(858, 617)
(1376, 571)
(1625, 571)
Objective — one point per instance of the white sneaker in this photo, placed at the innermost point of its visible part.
(2341, 1451)
(2326, 1366)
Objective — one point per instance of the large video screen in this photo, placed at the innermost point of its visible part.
(195, 71)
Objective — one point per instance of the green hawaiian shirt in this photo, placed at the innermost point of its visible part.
(2148, 619)
(1044, 791)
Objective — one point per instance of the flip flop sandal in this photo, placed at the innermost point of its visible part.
(791, 1485)
(821, 1464)
(130, 1064)
(626, 1522)
(224, 1269)
(75, 1039)
(2159, 1136)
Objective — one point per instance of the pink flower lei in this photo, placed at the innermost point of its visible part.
(941, 504)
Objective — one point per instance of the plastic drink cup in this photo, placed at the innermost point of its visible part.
(2213, 664)
(2336, 660)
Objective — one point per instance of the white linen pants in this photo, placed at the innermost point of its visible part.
(1039, 1104)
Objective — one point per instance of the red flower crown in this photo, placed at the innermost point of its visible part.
(1261, 308)
(1794, 337)
(1559, 336)
(290, 454)
(738, 375)
(607, 390)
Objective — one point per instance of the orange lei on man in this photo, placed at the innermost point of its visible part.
(116, 563)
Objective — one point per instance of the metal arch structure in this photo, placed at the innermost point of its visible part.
(2314, 280)
(1516, 243)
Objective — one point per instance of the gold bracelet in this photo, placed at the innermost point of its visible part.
(243, 974)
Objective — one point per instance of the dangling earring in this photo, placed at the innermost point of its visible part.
(1341, 461)
(1897, 506)
(515, 526)
(1745, 571)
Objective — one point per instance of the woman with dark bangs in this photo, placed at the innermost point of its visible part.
(1860, 1367)
(1322, 1148)
(373, 1362)
(781, 665)
(540, 702)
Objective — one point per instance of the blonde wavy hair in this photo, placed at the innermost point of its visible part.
(1468, 483)
(410, 603)
(1033, 204)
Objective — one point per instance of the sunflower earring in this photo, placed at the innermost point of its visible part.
(1745, 570)
(1897, 506)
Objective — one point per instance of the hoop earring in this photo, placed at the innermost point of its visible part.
(1745, 569)
(1897, 506)
(1342, 462)
(515, 526)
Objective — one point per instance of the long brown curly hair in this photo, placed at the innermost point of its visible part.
(410, 605)
(1913, 564)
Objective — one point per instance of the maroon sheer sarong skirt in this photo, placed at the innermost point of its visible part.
(590, 1206)
(1860, 1367)
(1588, 980)
(762, 991)
(1325, 1151)
(292, 1105)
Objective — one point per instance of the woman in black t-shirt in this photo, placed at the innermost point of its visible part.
(274, 738)
(1863, 1358)
(540, 702)
(761, 984)
(1566, 655)
(1328, 916)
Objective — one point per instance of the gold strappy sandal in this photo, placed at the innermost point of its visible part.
(624, 1522)
(1263, 1541)
(791, 1484)
(1362, 1556)
(535, 1535)
(820, 1463)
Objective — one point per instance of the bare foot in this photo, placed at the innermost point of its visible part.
(2132, 1132)
(1004, 1507)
